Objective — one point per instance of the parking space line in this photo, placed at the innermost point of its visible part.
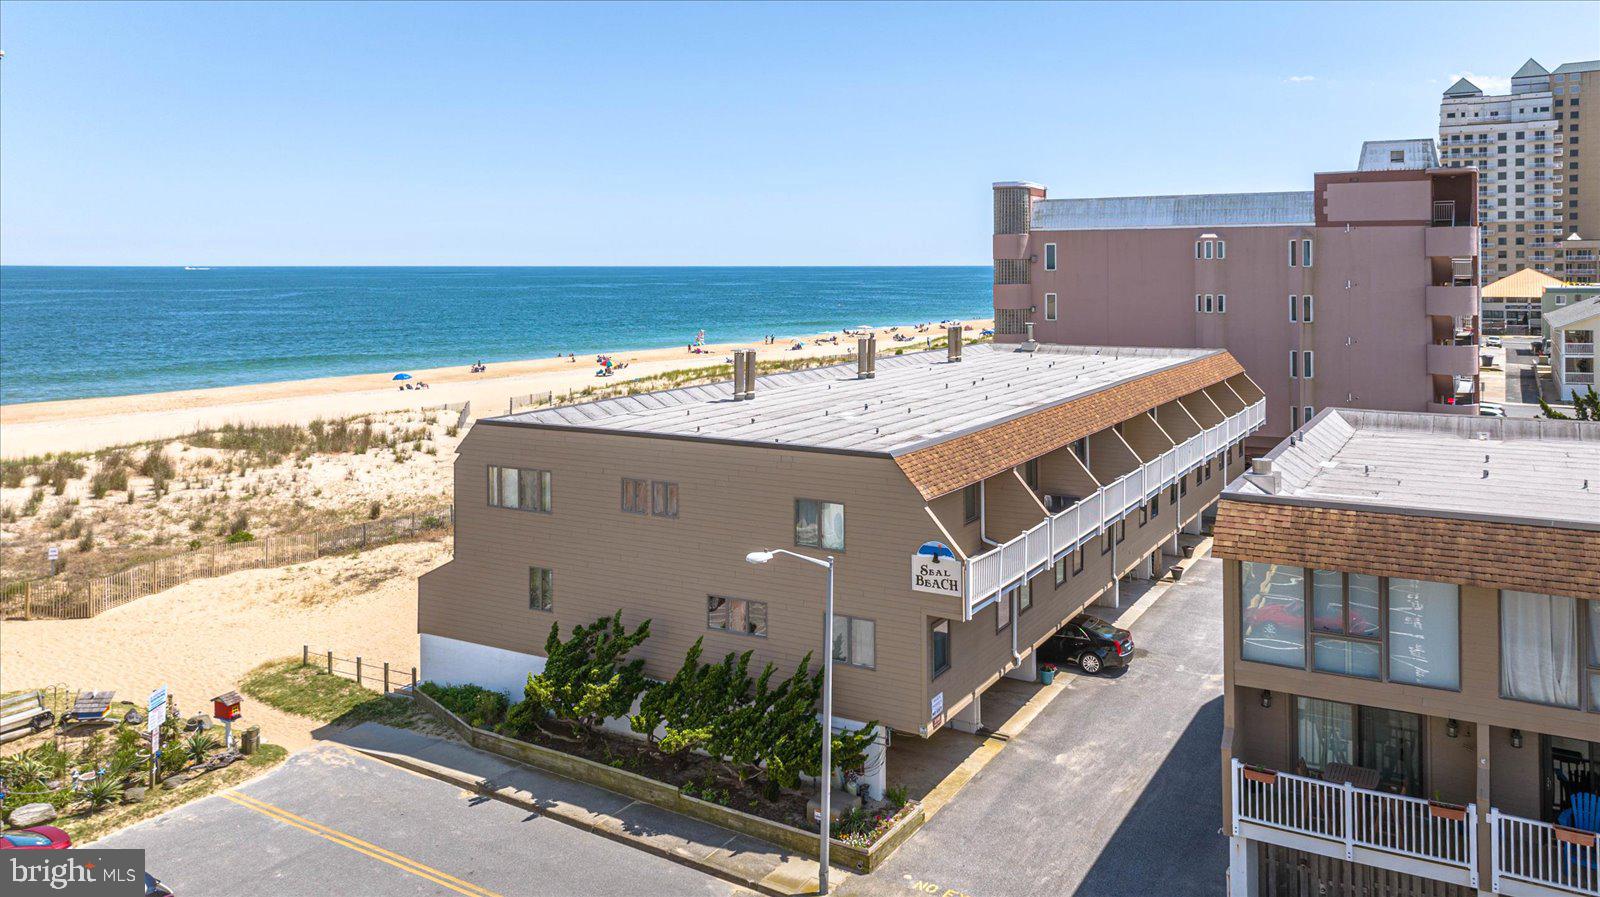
(399, 861)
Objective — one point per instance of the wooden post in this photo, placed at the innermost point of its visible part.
(27, 600)
(330, 663)
(413, 680)
(358, 669)
(305, 655)
(363, 535)
(386, 677)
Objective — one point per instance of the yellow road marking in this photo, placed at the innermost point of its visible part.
(399, 861)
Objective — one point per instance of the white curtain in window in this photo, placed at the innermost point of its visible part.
(1593, 606)
(508, 487)
(1424, 633)
(1539, 648)
(833, 526)
(863, 651)
(1326, 731)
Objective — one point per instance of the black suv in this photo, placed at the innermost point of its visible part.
(1089, 642)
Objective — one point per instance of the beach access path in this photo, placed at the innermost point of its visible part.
(83, 425)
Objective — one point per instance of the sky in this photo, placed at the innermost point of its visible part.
(658, 134)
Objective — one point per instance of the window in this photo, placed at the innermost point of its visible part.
(1122, 531)
(1208, 303)
(736, 615)
(1294, 254)
(1305, 253)
(818, 524)
(1144, 514)
(972, 502)
(1272, 614)
(855, 641)
(1222, 303)
(1199, 302)
(1155, 506)
(1105, 540)
(1310, 412)
(1294, 309)
(1310, 368)
(635, 496)
(540, 594)
(1397, 155)
(1197, 249)
(1307, 309)
(1077, 562)
(939, 647)
(1049, 306)
(1060, 570)
(520, 488)
(1081, 449)
(1030, 473)
(1344, 622)
(1539, 649)
(1049, 256)
(1206, 245)
(1002, 609)
(1389, 741)
(1294, 417)
(1424, 633)
(1294, 364)
(1222, 249)
(1025, 597)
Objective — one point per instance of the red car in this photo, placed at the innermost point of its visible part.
(40, 837)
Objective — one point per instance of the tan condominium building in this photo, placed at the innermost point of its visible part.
(1534, 188)
(974, 502)
(1412, 658)
(1511, 305)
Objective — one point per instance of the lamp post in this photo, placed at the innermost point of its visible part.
(761, 557)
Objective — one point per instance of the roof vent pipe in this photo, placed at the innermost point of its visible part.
(1028, 345)
(863, 358)
(872, 355)
(952, 341)
(749, 373)
(738, 373)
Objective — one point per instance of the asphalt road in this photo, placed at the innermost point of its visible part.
(1114, 790)
(329, 822)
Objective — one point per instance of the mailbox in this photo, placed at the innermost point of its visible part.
(226, 707)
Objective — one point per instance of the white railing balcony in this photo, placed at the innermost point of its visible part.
(1577, 348)
(1389, 831)
(1537, 859)
(1061, 533)
(1578, 378)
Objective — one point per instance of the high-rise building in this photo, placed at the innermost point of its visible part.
(1528, 146)
(1360, 292)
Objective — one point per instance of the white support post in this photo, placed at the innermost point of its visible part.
(1243, 869)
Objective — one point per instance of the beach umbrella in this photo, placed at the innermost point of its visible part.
(402, 376)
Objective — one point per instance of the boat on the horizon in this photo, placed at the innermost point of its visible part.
(193, 268)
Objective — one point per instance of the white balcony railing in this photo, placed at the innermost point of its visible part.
(1578, 378)
(1578, 348)
(999, 568)
(1372, 827)
(1540, 854)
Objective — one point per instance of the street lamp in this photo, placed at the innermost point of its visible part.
(761, 557)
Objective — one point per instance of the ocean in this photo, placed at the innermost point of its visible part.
(78, 332)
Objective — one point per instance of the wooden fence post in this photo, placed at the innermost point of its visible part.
(330, 663)
(305, 660)
(363, 536)
(27, 603)
(386, 680)
(413, 680)
(358, 669)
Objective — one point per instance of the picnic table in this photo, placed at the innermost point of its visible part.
(1359, 776)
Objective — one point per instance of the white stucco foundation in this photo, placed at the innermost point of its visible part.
(449, 661)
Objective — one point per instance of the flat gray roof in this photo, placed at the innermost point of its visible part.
(1545, 472)
(1196, 210)
(1417, 154)
(915, 400)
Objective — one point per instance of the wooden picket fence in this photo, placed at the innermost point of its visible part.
(64, 598)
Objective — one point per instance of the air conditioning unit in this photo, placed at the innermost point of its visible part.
(1058, 503)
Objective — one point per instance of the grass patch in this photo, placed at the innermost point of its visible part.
(312, 692)
(85, 827)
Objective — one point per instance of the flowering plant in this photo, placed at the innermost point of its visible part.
(1048, 667)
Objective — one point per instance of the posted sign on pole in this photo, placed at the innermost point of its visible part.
(156, 715)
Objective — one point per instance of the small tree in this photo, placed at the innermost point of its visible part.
(1584, 407)
(585, 680)
(663, 703)
(715, 692)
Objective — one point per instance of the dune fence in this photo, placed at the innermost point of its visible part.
(66, 598)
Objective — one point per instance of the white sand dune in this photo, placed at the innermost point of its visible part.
(201, 637)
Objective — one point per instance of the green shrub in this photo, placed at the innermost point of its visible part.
(199, 745)
(896, 796)
(240, 536)
(102, 791)
(477, 705)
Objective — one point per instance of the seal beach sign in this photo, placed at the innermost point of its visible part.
(934, 568)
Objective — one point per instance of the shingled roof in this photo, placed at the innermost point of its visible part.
(952, 464)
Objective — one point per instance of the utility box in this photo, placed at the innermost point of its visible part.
(251, 741)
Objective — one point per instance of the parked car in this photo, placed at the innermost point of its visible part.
(1089, 642)
(1491, 409)
(1492, 342)
(40, 837)
(154, 888)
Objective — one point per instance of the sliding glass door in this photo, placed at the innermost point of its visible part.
(1388, 742)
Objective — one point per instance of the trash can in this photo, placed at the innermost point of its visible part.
(250, 741)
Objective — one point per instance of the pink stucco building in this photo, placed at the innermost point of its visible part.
(1359, 293)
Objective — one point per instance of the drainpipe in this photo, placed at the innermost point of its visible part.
(1016, 656)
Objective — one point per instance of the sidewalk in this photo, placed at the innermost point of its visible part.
(716, 851)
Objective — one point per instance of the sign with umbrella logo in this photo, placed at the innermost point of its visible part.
(935, 568)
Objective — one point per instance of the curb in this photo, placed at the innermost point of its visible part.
(476, 786)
